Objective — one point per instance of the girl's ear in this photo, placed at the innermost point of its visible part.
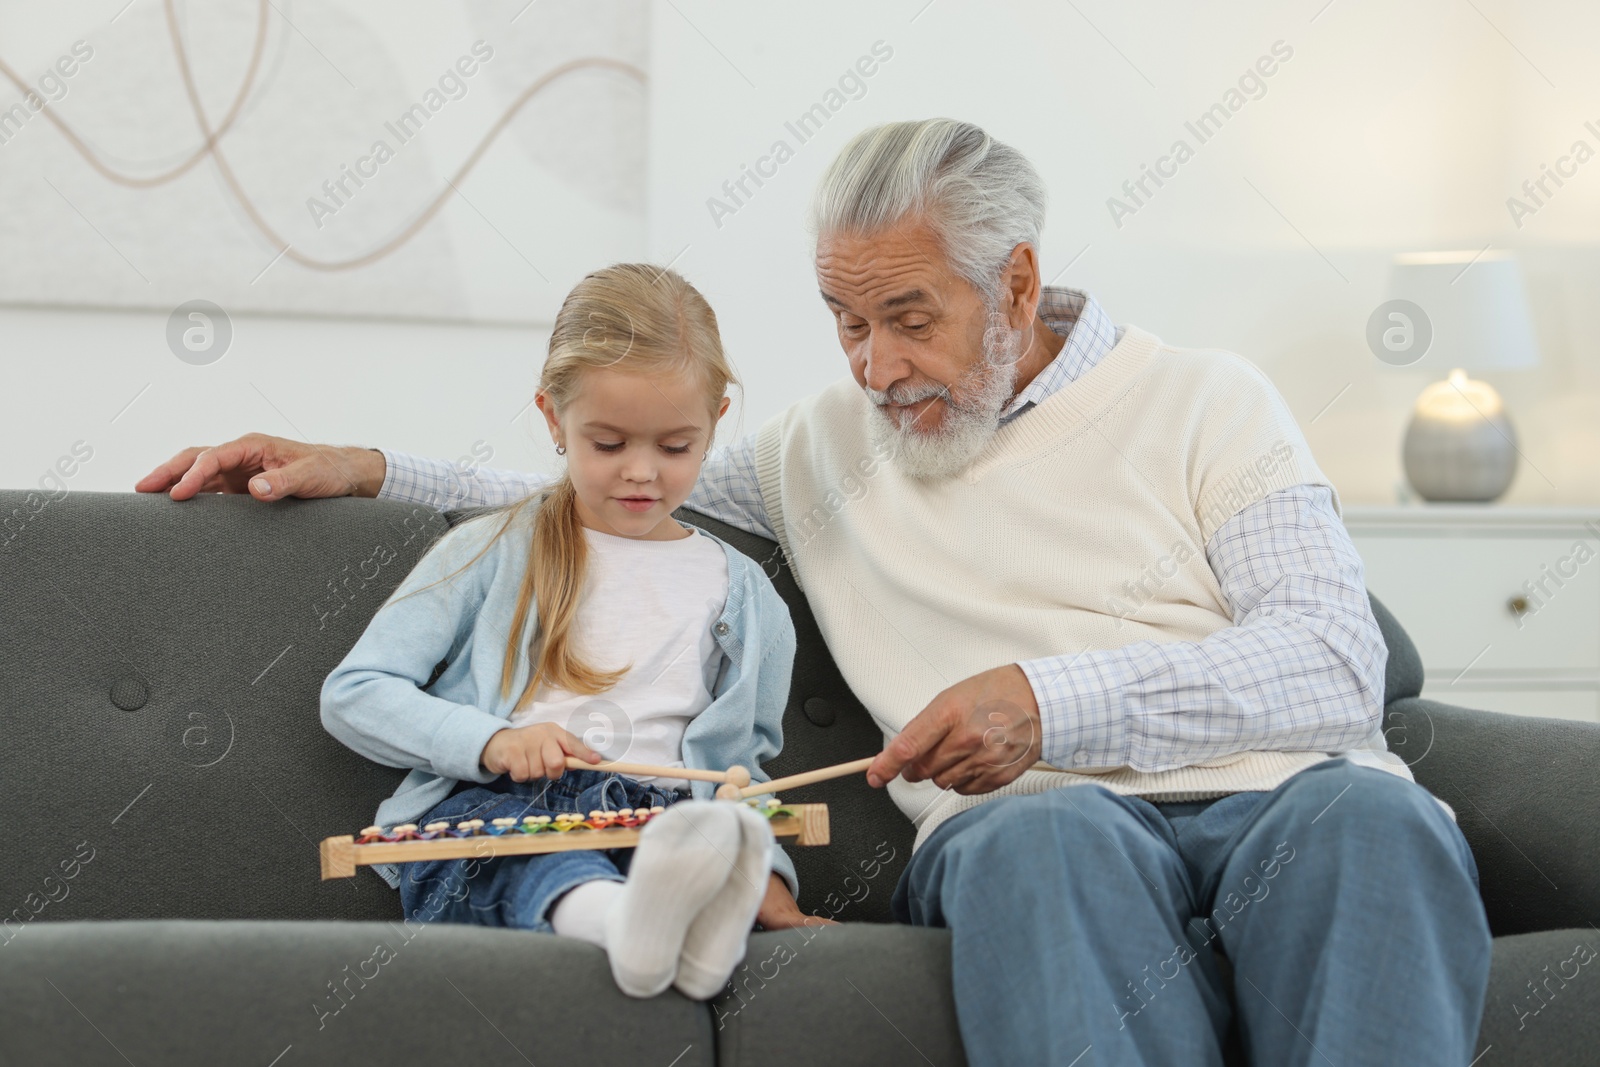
(542, 399)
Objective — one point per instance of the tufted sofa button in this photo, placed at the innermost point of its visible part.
(129, 694)
(819, 711)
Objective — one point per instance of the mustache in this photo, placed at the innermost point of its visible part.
(999, 351)
(906, 394)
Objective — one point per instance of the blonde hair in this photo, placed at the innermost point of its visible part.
(638, 319)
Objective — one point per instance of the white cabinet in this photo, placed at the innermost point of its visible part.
(1503, 603)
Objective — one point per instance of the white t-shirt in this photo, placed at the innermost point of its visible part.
(651, 604)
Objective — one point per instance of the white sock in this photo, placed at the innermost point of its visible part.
(581, 911)
(718, 937)
(683, 858)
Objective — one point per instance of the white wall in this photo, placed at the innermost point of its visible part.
(113, 220)
(107, 379)
(1391, 128)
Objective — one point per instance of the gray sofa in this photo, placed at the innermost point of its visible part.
(167, 780)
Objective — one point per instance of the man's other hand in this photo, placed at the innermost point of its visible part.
(269, 468)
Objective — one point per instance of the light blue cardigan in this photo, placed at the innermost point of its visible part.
(375, 702)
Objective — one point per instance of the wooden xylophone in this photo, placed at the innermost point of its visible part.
(804, 824)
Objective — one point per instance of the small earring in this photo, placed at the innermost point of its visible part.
(561, 450)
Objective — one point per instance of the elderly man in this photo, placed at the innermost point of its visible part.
(1097, 594)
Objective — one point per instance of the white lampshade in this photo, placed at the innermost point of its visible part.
(1476, 304)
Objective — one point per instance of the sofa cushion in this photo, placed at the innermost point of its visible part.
(1556, 1021)
(887, 997)
(180, 992)
(1523, 789)
(159, 697)
(840, 995)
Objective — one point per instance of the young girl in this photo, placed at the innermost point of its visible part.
(590, 587)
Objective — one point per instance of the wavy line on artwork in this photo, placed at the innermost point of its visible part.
(211, 145)
(133, 181)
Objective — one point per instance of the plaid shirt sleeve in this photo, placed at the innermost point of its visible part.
(440, 484)
(727, 488)
(1301, 668)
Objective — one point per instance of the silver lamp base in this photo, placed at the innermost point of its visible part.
(1450, 458)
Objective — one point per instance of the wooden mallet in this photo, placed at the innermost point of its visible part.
(794, 781)
(735, 780)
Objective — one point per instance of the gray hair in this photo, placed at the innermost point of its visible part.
(982, 197)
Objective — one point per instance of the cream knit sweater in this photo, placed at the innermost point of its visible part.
(1030, 550)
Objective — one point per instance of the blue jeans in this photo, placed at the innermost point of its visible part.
(519, 891)
(1345, 901)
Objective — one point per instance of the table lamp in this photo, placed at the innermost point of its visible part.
(1460, 444)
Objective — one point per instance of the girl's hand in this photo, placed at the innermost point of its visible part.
(779, 911)
(539, 750)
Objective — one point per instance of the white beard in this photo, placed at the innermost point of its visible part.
(972, 413)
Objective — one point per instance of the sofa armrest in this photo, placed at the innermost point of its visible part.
(1524, 792)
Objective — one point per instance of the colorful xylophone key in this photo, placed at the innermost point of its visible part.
(562, 822)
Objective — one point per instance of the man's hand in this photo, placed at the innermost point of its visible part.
(974, 737)
(779, 911)
(269, 468)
